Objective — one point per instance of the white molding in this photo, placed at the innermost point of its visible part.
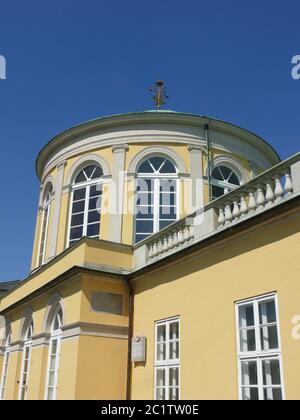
(91, 158)
(97, 330)
(232, 164)
(54, 304)
(160, 151)
(25, 322)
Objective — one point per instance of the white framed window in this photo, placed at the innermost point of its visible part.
(5, 365)
(54, 356)
(223, 180)
(167, 364)
(259, 349)
(45, 226)
(157, 196)
(26, 359)
(85, 211)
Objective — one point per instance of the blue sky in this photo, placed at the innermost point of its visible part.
(71, 61)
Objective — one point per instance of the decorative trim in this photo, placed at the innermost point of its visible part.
(25, 322)
(231, 163)
(116, 148)
(78, 329)
(84, 161)
(157, 150)
(40, 340)
(54, 304)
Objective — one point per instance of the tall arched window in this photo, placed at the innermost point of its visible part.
(45, 225)
(156, 196)
(86, 204)
(223, 180)
(54, 356)
(5, 365)
(26, 362)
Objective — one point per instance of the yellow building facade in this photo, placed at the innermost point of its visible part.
(165, 266)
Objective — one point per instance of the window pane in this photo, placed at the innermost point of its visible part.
(161, 352)
(145, 212)
(174, 394)
(76, 233)
(174, 331)
(167, 212)
(145, 184)
(144, 226)
(157, 162)
(269, 337)
(167, 199)
(98, 173)
(77, 219)
(267, 312)
(161, 333)
(273, 394)
(249, 373)
(95, 203)
(246, 315)
(89, 170)
(94, 216)
(93, 230)
(250, 394)
(145, 199)
(139, 237)
(217, 191)
(174, 350)
(160, 394)
(165, 223)
(247, 340)
(80, 178)
(79, 194)
(173, 377)
(271, 372)
(168, 168)
(96, 190)
(145, 168)
(78, 207)
(160, 377)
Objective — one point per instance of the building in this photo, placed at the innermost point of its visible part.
(165, 266)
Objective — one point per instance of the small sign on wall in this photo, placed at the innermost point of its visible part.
(138, 349)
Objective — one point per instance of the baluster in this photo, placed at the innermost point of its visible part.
(270, 196)
(155, 249)
(170, 240)
(221, 219)
(150, 251)
(260, 199)
(278, 188)
(228, 214)
(180, 237)
(191, 231)
(165, 243)
(252, 202)
(236, 213)
(175, 238)
(288, 187)
(159, 246)
(244, 206)
(186, 233)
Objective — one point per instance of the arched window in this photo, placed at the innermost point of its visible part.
(223, 180)
(54, 355)
(5, 365)
(86, 204)
(156, 196)
(26, 362)
(45, 225)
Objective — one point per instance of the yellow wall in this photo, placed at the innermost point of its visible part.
(203, 290)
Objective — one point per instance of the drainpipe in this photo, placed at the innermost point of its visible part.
(130, 334)
(208, 160)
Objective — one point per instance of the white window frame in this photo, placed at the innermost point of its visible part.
(27, 345)
(56, 335)
(41, 258)
(87, 185)
(5, 365)
(168, 363)
(259, 355)
(157, 177)
(227, 186)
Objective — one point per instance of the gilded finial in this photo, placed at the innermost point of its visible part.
(160, 94)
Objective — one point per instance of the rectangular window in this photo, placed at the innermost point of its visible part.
(167, 366)
(259, 353)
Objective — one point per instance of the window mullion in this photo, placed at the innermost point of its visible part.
(156, 205)
(86, 208)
